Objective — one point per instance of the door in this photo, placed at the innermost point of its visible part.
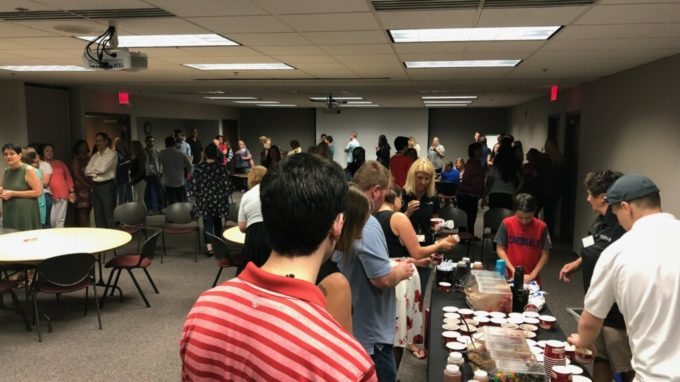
(554, 128)
(230, 132)
(115, 125)
(571, 138)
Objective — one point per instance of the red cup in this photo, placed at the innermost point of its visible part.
(436, 223)
(560, 374)
(554, 349)
(449, 336)
(444, 286)
(584, 356)
(437, 258)
(570, 351)
(546, 322)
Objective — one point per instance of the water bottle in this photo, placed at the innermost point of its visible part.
(500, 268)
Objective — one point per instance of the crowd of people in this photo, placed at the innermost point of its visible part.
(327, 292)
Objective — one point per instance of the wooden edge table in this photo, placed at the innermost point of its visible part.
(234, 235)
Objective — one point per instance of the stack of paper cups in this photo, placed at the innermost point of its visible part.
(553, 356)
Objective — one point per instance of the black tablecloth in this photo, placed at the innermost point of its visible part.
(437, 353)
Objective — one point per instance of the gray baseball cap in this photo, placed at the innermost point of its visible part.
(630, 187)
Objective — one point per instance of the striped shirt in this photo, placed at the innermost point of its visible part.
(265, 327)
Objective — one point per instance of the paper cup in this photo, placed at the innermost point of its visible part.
(449, 336)
(584, 356)
(560, 374)
(546, 322)
(436, 223)
(444, 286)
(554, 349)
(466, 313)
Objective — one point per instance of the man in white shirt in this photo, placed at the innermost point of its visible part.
(351, 145)
(101, 169)
(641, 273)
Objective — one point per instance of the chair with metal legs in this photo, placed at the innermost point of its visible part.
(178, 221)
(7, 286)
(227, 255)
(131, 218)
(492, 220)
(128, 262)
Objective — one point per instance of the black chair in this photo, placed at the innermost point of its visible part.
(64, 274)
(7, 286)
(459, 217)
(492, 220)
(447, 192)
(131, 218)
(233, 213)
(178, 221)
(227, 255)
(132, 261)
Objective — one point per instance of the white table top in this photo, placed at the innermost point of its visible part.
(41, 244)
(234, 235)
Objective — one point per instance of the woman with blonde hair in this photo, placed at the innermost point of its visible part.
(421, 204)
(256, 247)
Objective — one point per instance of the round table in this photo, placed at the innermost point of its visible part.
(234, 235)
(37, 245)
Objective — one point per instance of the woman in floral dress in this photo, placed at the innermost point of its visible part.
(211, 190)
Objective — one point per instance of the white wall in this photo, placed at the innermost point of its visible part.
(370, 124)
(630, 122)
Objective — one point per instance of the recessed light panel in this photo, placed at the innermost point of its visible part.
(447, 97)
(364, 105)
(277, 105)
(45, 68)
(428, 102)
(255, 66)
(473, 34)
(230, 98)
(336, 98)
(257, 101)
(169, 40)
(462, 64)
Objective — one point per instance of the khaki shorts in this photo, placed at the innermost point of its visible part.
(612, 345)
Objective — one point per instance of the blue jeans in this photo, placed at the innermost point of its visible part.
(385, 365)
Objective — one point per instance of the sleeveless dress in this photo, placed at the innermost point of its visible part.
(82, 189)
(21, 214)
(408, 293)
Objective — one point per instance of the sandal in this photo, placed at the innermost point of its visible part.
(417, 352)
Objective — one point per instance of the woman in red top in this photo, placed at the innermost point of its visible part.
(61, 183)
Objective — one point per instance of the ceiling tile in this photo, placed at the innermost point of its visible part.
(12, 5)
(507, 17)
(198, 8)
(268, 39)
(504, 46)
(356, 37)
(72, 27)
(331, 22)
(222, 51)
(290, 50)
(368, 58)
(241, 24)
(587, 32)
(428, 19)
(15, 30)
(313, 6)
(299, 60)
(51, 42)
(357, 49)
(632, 13)
(430, 47)
(99, 4)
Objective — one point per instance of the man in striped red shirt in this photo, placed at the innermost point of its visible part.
(271, 323)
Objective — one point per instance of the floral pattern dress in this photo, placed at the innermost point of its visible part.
(409, 298)
(211, 189)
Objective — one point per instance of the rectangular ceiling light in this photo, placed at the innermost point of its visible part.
(230, 98)
(277, 105)
(447, 105)
(45, 68)
(257, 101)
(462, 64)
(255, 66)
(447, 97)
(336, 98)
(473, 34)
(359, 102)
(351, 105)
(169, 40)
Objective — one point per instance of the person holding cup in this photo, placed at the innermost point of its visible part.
(402, 242)
(420, 204)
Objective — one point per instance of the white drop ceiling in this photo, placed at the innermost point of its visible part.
(342, 47)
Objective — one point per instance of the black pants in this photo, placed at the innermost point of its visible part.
(176, 194)
(212, 224)
(500, 200)
(153, 195)
(469, 204)
(103, 202)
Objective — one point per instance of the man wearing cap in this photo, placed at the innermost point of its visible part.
(641, 273)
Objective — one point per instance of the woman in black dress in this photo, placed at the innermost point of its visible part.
(382, 151)
(211, 189)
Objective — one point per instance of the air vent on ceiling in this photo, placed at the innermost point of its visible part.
(405, 5)
(534, 3)
(414, 5)
(110, 14)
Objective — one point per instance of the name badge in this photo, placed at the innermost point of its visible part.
(588, 241)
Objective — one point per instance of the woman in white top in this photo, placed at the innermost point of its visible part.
(256, 246)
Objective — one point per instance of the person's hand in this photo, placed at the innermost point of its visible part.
(412, 207)
(447, 243)
(482, 204)
(528, 278)
(424, 262)
(6, 194)
(404, 269)
(566, 270)
(575, 339)
(72, 197)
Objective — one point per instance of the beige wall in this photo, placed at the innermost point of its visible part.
(13, 112)
(630, 122)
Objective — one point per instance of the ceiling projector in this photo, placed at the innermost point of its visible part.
(117, 59)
